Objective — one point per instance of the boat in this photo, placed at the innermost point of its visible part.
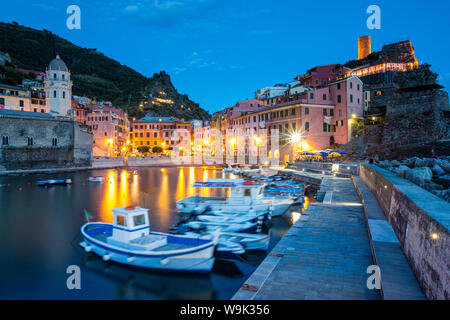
(244, 197)
(45, 183)
(231, 219)
(53, 182)
(249, 241)
(63, 182)
(222, 226)
(98, 179)
(129, 241)
(262, 215)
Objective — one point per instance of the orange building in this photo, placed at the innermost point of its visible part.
(165, 132)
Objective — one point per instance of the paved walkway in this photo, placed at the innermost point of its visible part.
(325, 255)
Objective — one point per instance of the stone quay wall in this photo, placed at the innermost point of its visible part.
(73, 146)
(415, 215)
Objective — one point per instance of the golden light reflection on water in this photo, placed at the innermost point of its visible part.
(181, 188)
(163, 199)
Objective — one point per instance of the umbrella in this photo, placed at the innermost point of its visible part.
(306, 153)
(340, 152)
(334, 154)
(322, 154)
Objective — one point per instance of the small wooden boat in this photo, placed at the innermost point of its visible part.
(249, 241)
(128, 240)
(98, 179)
(62, 182)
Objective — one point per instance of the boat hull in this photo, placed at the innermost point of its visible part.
(196, 259)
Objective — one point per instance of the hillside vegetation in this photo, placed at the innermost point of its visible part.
(93, 74)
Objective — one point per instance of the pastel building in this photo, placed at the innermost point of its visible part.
(311, 119)
(109, 127)
(165, 132)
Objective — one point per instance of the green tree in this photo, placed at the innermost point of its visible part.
(143, 149)
(157, 149)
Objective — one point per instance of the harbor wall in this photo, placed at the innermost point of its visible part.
(327, 166)
(416, 216)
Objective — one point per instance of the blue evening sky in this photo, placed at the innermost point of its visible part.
(221, 51)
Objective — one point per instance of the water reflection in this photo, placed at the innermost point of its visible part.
(40, 236)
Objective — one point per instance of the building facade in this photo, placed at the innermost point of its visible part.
(167, 133)
(32, 140)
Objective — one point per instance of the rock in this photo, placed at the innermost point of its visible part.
(444, 165)
(395, 163)
(413, 162)
(429, 162)
(401, 170)
(438, 170)
(419, 175)
(431, 186)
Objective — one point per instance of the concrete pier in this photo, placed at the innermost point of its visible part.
(326, 253)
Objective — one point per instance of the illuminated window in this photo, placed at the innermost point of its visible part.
(121, 221)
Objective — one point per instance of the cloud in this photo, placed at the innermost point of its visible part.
(168, 13)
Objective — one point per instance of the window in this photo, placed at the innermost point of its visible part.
(2, 101)
(293, 112)
(139, 220)
(148, 134)
(293, 126)
(54, 76)
(121, 221)
(286, 113)
(141, 135)
(30, 141)
(307, 126)
(63, 77)
(155, 135)
(351, 85)
(351, 98)
(64, 94)
(325, 126)
(331, 112)
(342, 122)
(306, 110)
(379, 93)
(340, 112)
(247, 192)
(324, 112)
(339, 98)
(5, 140)
(311, 95)
(54, 142)
(324, 96)
(21, 103)
(339, 86)
(358, 86)
(54, 93)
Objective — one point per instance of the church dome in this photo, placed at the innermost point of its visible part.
(58, 65)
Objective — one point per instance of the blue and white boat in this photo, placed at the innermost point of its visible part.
(128, 240)
(52, 182)
(222, 226)
(244, 197)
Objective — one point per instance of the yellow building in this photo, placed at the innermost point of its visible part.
(14, 98)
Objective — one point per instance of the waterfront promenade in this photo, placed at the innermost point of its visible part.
(323, 256)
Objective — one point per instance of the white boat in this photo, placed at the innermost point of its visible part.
(96, 179)
(128, 240)
(225, 227)
(231, 219)
(249, 241)
(279, 204)
(244, 197)
(263, 215)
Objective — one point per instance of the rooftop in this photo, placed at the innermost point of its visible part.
(24, 114)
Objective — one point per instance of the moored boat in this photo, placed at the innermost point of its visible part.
(244, 197)
(98, 179)
(128, 240)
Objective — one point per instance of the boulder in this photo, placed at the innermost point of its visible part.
(438, 170)
(419, 175)
(395, 163)
(401, 170)
(429, 162)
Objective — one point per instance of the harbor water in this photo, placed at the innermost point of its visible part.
(39, 236)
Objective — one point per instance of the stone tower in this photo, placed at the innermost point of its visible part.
(364, 47)
(58, 88)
